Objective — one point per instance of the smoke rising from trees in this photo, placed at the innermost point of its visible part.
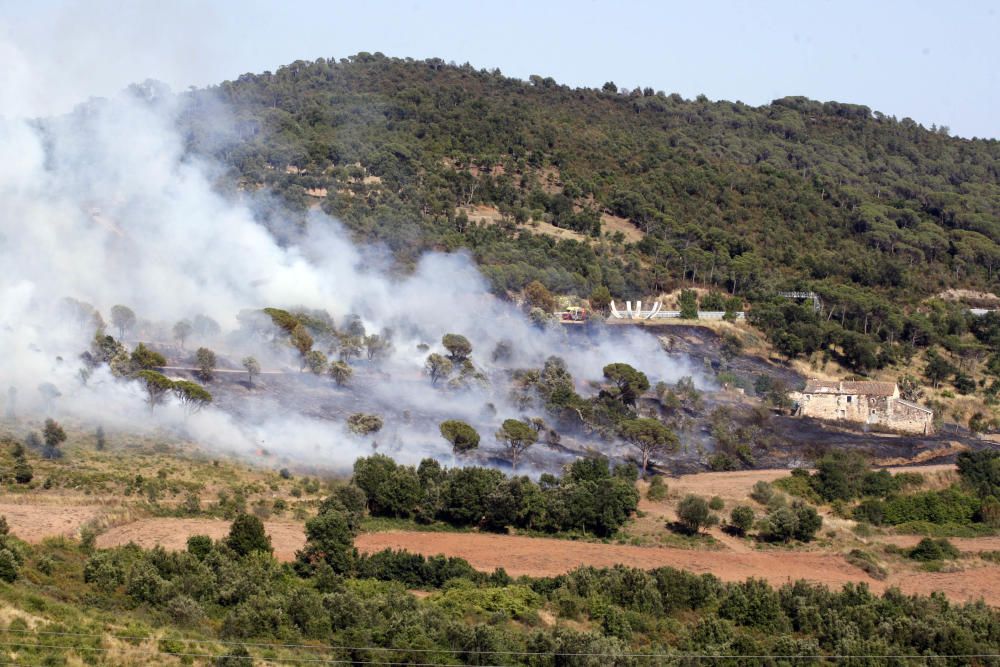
(107, 207)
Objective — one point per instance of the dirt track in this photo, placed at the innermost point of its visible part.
(546, 557)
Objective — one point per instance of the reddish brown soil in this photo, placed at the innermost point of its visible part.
(970, 544)
(33, 523)
(737, 485)
(286, 537)
(547, 557)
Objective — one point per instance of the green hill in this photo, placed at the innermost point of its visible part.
(874, 213)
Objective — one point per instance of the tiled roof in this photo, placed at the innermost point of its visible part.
(822, 387)
(869, 388)
(862, 388)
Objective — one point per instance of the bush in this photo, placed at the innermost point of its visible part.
(693, 512)
(798, 484)
(799, 522)
(330, 539)
(723, 462)
(741, 519)
(716, 503)
(657, 490)
(199, 546)
(930, 549)
(8, 566)
(865, 561)
(246, 535)
(103, 571)
(183, 610)
(762, 492)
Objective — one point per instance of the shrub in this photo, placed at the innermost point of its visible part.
(809, 521)
(782, 524)
(183, 610)
(762, 492)
(798, 484)
(199, 546)
(741, 519)
(103, 571)
(329, 538)
(716, 503)
(865, 561)
(723, 462)
(929, 549)
(246, 535)
(8, 566)
(657, 490)
(693, 512)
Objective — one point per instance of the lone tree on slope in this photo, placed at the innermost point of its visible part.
(123, 319)
(651, 437)
(182, 330)
(156, 386)
(53, 435)
(629, 381)
(517, 437)
(463, 438)
(205, 360)
(252, 367)
(458, 346)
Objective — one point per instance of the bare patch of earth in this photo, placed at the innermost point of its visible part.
(33, 523)
(287, 537)
(549, 557)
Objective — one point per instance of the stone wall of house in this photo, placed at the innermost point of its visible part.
(912, 419)
(882, 410)
(841, 406)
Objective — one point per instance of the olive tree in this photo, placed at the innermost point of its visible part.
(315, 362)
(741, 519)
(364, 424)
(694, 514)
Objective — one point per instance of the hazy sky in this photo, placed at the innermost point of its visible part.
(934, 62)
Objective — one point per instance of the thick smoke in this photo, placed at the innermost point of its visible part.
(106, 206)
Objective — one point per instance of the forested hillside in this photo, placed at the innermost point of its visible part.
(740, 197)
(872, 212)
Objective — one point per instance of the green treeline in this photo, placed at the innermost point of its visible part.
(589, 498)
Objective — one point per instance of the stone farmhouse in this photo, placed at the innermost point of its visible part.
(876, 403)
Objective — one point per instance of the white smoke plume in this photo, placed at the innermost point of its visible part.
(105, 206)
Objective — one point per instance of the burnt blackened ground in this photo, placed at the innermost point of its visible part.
(775, 439)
